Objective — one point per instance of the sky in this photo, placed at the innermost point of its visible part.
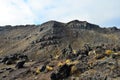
(105, 13)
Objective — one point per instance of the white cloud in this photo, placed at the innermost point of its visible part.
(15, 12)
(32, 11)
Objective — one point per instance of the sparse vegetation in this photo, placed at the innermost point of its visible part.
(57, 51)
(108, 52)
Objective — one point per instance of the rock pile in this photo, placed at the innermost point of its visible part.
(13, 59)
(92, 64)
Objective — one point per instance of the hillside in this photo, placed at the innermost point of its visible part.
(34, 39)
(50, 39)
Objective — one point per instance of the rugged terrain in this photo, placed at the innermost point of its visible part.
(76, 50)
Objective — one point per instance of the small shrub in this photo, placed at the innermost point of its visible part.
(68, 61)
(60, 64)
(108, 52)
(74, 51)
(49, 68)
(38, 70)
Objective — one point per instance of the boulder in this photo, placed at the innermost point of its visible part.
(13, 57)
(9, 62)
(1, 71)
(4, 59)
(87, 47)
(20, 64)
(54, 76)
(43, 68)
(63, 72)
(22, 57)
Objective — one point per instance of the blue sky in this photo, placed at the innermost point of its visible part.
(105, 13)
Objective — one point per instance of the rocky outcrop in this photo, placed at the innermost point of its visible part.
(11, 59)
(75, 24)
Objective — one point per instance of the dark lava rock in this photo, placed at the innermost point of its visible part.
(87, 48)
(4, 76)
(43, 68)
(82, 54)
(53, 76)
(63, 72)
(20, 64)
(1, 71)
(23, 57)
(11, 59)
(8, 68)
(9, 62)
(4, 59)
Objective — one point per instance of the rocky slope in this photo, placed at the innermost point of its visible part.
(36, 39)
(57, 47)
